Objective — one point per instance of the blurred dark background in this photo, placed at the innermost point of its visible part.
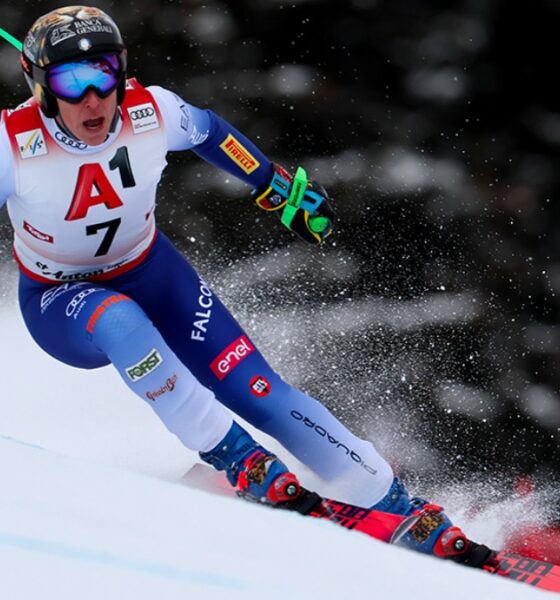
(430, 321)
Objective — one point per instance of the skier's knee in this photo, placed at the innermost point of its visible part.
(114, 319)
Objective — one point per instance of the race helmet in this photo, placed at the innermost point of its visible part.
(82, 37)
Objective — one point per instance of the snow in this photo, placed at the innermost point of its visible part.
(91, 506)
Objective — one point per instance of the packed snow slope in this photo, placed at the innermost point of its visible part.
(91, 506)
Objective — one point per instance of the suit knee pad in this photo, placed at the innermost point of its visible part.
(114, 319)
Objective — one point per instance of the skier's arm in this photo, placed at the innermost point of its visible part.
(302, 205)
(7, 175)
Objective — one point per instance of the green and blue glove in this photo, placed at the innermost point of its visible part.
(302, 205)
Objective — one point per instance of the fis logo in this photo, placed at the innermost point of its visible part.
(239, 154)
(144, 366)
(31, 143)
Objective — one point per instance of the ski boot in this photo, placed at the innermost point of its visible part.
(434, 533)
(256, 473)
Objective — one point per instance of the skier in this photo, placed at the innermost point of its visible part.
(99, 283)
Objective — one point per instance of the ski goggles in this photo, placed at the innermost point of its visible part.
(71, 81)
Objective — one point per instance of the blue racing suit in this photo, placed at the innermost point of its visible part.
(141, 306)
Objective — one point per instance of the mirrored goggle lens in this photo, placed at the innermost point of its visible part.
(71, 80)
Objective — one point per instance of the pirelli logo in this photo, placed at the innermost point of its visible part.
(239, 154)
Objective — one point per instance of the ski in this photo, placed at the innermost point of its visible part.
(379, 525)
(382, 526)
(537, 573)
(386, 527)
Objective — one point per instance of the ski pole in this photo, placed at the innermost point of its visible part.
(10, 38)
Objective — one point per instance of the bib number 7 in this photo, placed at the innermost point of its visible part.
(111, 227)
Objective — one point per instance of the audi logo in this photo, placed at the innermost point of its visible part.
(142, 113)
(70, 142)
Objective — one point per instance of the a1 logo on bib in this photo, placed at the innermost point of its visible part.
(143, 117)
(31, 143)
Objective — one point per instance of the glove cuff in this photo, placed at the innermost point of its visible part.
(276, 194)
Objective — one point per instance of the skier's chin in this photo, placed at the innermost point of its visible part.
(94, 131)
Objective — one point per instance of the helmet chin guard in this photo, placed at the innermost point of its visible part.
(66, 34)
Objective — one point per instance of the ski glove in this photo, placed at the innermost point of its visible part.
(303, 206)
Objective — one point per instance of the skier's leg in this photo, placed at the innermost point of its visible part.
(87, 325)
(206, 338)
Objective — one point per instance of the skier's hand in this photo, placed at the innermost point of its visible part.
(302, 205)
